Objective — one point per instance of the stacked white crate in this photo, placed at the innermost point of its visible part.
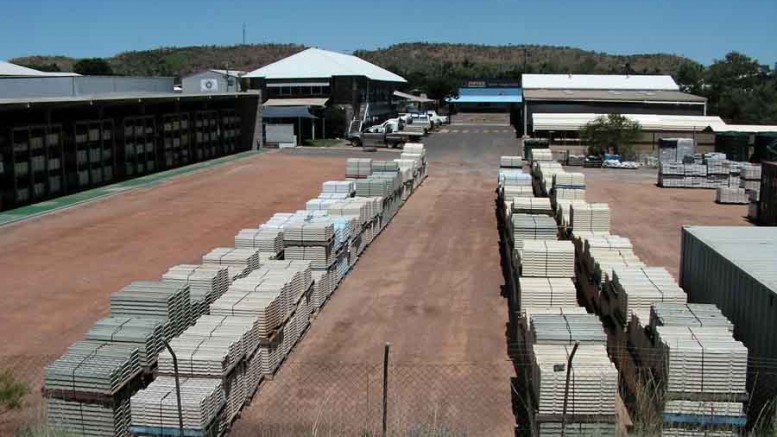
(548, 258)
(564, 208)
(733, 195)
(635, 289)
(358, 167)
(532, 205)
(239, 262)
(526, 227)
(593, 385)
(510, 161)
(590, 217)
(569, 186)
(206, 284)
(155, 408)
(547, 292)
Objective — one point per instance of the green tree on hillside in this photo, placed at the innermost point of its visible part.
(93, 67)
(613, 133)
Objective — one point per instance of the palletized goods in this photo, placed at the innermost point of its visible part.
(564, 207)
(547, 292)
(358, 167)
(93, 367)
(264, 240)
(415, 148)
(384, 166)
(202, 356)
(690, 315)
(323, 286)
(532, 227)
(144, 333)
(244, 329)
(156, 406)
(636, 289)
(77, 418)
(532, 205)
(510, 162)
(548, 258)
(320, 257)
(206, 283)
(343, 187)
(702, 360)
(239, 262)
(307, 233)
(266, 308)
(513, 191)
(593, 384)
(169, 302)
(731, 195)
(566, 329)
(592, 217)
(541, 155)
(569, 180)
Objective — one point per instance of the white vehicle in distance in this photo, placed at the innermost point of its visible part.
(388, 126)
(439, 119)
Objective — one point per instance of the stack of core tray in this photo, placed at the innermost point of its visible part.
(548, 259)
(240, 262)
(206, 284)
(167, 301)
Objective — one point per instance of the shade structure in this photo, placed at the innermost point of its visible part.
(507, 161)
(206, 284)
(168, 301)
(636, 289)
(93, 367)
(239, 262)
(592, 217)
(593, 386)
(702, 360)
(77, 418)
(358, 167)
(156, 406)
(146, 334)
(548, 258)
(547, 292)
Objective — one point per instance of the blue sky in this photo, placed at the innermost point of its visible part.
(700, 29)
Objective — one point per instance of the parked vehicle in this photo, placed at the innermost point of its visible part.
(440, 119)
(390, 133)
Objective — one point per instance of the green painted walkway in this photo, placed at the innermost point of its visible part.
(49, 206)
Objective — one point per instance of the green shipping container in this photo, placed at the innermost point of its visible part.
(735, 268)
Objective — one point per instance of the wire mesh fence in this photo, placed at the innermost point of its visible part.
(347, 399)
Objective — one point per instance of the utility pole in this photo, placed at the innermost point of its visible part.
(244, 34)
(566, 389)
(177, 386)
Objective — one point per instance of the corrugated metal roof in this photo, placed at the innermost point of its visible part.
(235, 73)
(304, 101)
(752, 249)
(287, 112)
(317, 63)
(598, 82)
(120, 97)
(413, 98)
(574, 121)
(641, 96)
(485, 99)
(8, 69)
(745, 128)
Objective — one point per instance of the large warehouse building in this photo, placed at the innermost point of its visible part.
(314, 79)
(60, 135)
(556, 105)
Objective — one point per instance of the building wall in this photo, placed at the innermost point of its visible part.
(194, 83)
(50, 150)
(76, 86)
(541, 107)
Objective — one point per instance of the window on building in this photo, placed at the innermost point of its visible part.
(285, 91)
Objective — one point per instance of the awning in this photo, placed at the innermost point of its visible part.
(305, 101)
(649, 122)
(287, 112)
(412, 98)
(744, 128)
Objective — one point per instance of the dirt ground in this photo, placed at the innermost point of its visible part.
(429, 285)
(651, 216)
(58, 271)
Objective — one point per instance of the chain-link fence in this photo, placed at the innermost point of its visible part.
(324, 399)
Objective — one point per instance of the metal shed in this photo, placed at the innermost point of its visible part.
(735, 268)
(212, 81)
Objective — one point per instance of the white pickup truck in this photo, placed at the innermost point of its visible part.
(438, 119)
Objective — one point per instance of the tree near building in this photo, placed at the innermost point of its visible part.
(93, 67)
(613, 133)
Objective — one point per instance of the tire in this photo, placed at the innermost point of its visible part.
(357, 142)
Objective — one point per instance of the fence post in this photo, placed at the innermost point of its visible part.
(385, 386)
(177, 385)
(566, 389)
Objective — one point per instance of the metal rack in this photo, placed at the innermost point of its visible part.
(36, 162)
(139, 145)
